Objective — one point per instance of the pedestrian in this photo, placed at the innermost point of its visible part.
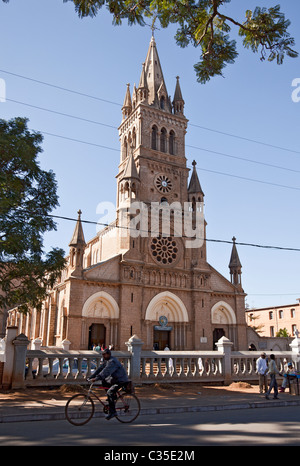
(288, 370)
(273, 370)
(262, 369)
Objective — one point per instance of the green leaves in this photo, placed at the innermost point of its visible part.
(266, 31)
(27, 196)
(203, 24)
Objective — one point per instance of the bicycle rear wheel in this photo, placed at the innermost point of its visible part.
(79, 409)
(128, 407)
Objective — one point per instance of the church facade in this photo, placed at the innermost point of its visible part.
(141, 275)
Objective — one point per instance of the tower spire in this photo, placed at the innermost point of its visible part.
(235, 265)
(127, 105)
(78, 236)
(178, 102)
(194, 185)
(77, 245)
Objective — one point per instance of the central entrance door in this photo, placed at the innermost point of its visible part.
(161, 339)
(218, 333)
(97, 334)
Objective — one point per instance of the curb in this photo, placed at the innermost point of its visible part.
(57, 416)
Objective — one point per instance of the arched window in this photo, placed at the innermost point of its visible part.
(154, 138)
(172, 143)
(125, 149)
(133, 138)
(162, 103)
(163, 140)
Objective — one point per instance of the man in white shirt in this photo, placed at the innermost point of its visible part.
(262, 369)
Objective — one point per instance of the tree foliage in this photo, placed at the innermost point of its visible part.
(282, 332)
(203, 24)
(27, 196)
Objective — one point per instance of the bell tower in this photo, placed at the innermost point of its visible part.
(152, 138)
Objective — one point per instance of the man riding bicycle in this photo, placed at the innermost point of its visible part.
(114, 374)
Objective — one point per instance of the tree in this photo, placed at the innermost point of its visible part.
(282, 332)
(203, 24)
(27, 196)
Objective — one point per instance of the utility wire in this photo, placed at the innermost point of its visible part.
(183, 236)
(198, 168)
(120, 105)
(63, 114)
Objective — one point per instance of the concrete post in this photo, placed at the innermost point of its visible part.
(66, 345)
(295, 347)
(11, 334)
(134, 345)
(18, 377)
(224, 346)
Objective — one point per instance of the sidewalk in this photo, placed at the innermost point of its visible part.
(36, 404)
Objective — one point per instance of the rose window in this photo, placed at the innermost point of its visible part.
(164, 250)
(163, 184)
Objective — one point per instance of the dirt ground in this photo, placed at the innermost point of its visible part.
(153, 391)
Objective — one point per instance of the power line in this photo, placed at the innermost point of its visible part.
(62, 88)
(183, 236)
(245, 139)
(120, 105)
(198, 168)
(63, 114)
(250, 179)
(244, 159)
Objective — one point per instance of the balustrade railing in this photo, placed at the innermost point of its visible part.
(55, 366)
(180, 366)
(46, 368)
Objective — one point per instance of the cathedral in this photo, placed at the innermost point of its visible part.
(141, 277)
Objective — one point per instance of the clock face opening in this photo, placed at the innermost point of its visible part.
(163, 184)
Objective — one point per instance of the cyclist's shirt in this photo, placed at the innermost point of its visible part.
(111, 371)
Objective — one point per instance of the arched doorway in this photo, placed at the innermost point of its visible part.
(97, 333)
(223, 321)
(167, 318)
(100, 322)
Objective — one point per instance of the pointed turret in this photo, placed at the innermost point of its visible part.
(77, 245)
(178, 102)
(78, 236)
(142, 90)
(235, 265)
(127, 105)
(194, 188)
(130, 169)
(129, 182)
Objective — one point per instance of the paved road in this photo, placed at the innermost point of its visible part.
(264, 426)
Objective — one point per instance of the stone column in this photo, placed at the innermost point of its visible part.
(134, 345)
(224, 346)
(11, 334)
(18, 377)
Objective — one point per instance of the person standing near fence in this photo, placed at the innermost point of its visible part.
(262, 369)
(273, 371)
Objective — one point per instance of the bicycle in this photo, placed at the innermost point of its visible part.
(80, 408)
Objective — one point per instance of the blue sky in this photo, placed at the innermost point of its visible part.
(45, 40)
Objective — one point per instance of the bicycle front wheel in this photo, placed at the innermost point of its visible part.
(79, 409)
(128, 407)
